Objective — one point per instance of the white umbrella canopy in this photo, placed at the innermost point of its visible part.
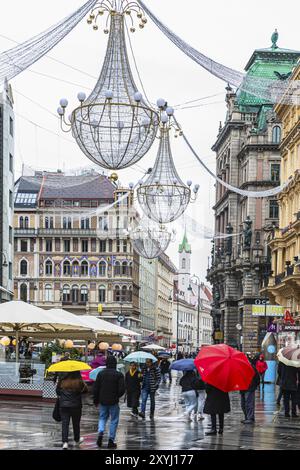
(153, 347)
(105, 326)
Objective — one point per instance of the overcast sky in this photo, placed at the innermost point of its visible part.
(225, 31)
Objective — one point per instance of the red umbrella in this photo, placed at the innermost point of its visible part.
(224, 367)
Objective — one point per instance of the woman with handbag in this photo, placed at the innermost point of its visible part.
(69, 390)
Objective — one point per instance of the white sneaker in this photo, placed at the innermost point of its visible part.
(81, 441)
(65, 445)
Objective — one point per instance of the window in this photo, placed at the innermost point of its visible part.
(67, 246)
(117, 268)
(183, 266)
(124, 268)
(84, 246)
(21, 222)
(102, 246)
(85, 223)
(48, 268)
(26, 222)
(125, 246)
(75, 294)
(48, 222)
(130, 269)
(66, 294)
(57, 244)
(11, 163)
(93, 245)
(23, 292)
(118, 245)
(48, 293)
(124, 295)
(117, 294)
(10, 270)
(102, 268)
(11, 126)
(84, 268)
(75, 268)
(48, 245)
(67, 222)
(67, 268)
(276, 135)
(102, 293)
(23, 267)
(274, 210)
(83, 294)
(26, 198)
(275, 172)
(75, 244)
(10, 198)
(24, 246)
(110, 245)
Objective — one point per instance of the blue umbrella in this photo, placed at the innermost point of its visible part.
(164, 354)
(139, 356)
(183, 364)
(93, 374)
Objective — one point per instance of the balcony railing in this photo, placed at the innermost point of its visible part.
(68, 231)
(25, 232)
(279, 278)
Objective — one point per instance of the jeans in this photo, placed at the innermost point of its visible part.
(248, 405)
(191, 403)
(164, 377)
(106, 411)
(214, 422)
(201, 401)
(66, 415)
(145, 394)
(287, 396)
(279, 395)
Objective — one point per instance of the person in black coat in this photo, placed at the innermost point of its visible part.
(150, 383)
(187, 383)
(288, 381)
(133, 379)
(69, 390)
(108, 389)
(248, 398)
(217, 403)
(165, 370)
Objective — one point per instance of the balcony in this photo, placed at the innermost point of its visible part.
(25, 232)
(63, 232)
(279, 278)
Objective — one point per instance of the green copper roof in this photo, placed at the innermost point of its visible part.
(266, 63)
(185, 246)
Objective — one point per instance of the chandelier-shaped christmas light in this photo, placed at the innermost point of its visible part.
(114, 126)
(150, 239)
(164, 197)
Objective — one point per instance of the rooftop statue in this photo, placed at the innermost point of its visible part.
(274, 39)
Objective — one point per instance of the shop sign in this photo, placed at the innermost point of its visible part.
(267, 311)
(219, 335)
(290, 328)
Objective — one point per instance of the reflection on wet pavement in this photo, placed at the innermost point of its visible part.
(25, 425)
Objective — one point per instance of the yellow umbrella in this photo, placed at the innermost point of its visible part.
(69, 366)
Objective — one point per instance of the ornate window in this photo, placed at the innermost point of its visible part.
(274, 209)
(48, 268)
(66, 294)
(84, 268)
(102, 294)
(75, 268)
(117, 268)
(117, 294)
(83, 294)
(66, 268)
(183, 265)
(48, 293)
(23, 292)
(124, 268)
(23, 267)
(276, 135)
(85, 223)
(26, 222)
(102, 268)
(75, 294)
(103, 222)
(21, 222)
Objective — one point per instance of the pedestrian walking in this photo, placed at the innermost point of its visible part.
(133, 379)
(217, 403)
(248, 399)
(69, 391)
(288, 379)
(199, 386)
(280, 393)
(261, 367)
(187, 383)
(165, 370)
(150, 383)
(108, 389)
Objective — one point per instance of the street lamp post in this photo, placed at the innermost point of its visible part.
(177, 318)
(199, 302)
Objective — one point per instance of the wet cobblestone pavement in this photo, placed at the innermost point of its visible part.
(29, 425)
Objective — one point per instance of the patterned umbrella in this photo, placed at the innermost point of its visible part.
(290, 356)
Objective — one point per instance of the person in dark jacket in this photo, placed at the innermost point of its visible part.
(217, 403)
(150, 383)
(69, 390)
(288, 380)
(108, 389)
(165, 370)
(187, 383)
(248, 398)
(133, 379)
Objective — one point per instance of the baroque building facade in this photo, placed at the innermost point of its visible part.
(284, 242)
(248, 157)
(7, 131)
(166, 272)
(72, 253)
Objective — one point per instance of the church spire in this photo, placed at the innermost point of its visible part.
(185, 246)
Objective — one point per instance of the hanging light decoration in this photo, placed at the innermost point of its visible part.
(114, 126)
(163, 196)
(150, 239)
